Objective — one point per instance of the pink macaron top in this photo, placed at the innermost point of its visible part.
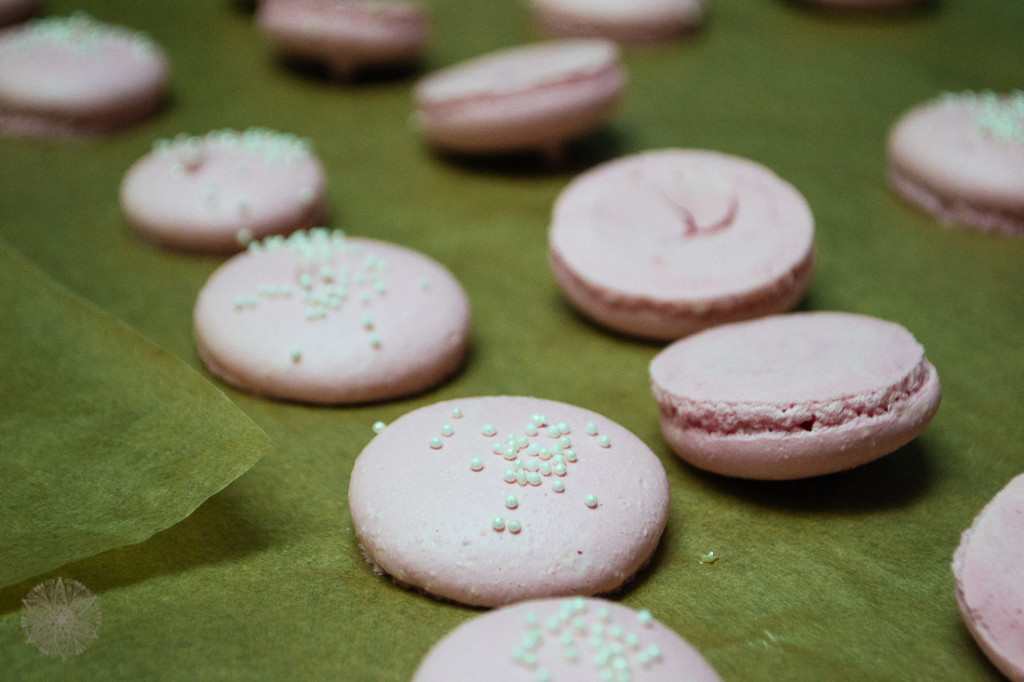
(76, 66)
(989, 570)
(670, 12)
(324, 318)
(564, 640)
(221, 190)
(520, 69)
(492, 500)
(967, 147)
(361, 30)
(12, 11)
(681, 225)
(790, 358)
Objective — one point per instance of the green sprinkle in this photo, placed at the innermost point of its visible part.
(476, 464)
(558, 485)
(378, 427)
(436, 443)
(591, 429)
(590, 500)
(511, 501)
(447, 430)
(498, 523)
(604, 441)
(514, 526)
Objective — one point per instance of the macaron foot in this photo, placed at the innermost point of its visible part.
(554, 154)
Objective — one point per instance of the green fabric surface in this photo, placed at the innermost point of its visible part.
(104, 438)
(840, 577)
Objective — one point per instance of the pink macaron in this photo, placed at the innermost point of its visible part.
(219, 191)
(347, 35)
(665, 243)
(638, 21)
(793, 396)
(318, 317)
(74, 76)
(488, 501)
(989, 571)
(961, 158)
(13, 11)
(528, 98)
(564, 640)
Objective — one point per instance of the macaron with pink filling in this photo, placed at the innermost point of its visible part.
(318, 317)
(492, 500)
(75, 76)
(564, 640)
(529, 98)
(13, 11)
(219, 191)
(793, 396)
(960, 157)
(665, 243)
(989, 570)
(347, 35)
(638, 21)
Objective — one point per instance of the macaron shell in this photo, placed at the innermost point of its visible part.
(420, 321)
(664, 243)
(640, 21)
(989, 569)
(12, 11)
(346, 35)
(216, 198)
(943, 161)
(424, 516)
(530, 97)
(792, 396)
(484, 647)
(58, 88)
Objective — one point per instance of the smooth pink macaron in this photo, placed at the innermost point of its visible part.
(989, 571)
(219, 191)
(961, 158)
(665, 243)
(347, 35)
(792, 396)
(488, 501)
(564, 640)
(74, 76)
(528, 98)
(13, 11)
(637, 21)
(321, 318)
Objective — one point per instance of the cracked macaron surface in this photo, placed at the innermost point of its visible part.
(665, 243)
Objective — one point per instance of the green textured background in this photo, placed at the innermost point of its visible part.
(841, 577)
